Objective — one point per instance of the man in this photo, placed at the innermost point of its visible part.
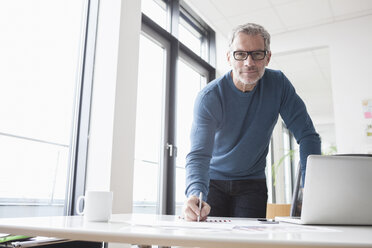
(234, 117)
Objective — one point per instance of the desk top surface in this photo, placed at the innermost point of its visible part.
(171, 231)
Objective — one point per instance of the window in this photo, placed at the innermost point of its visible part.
(190, 81)
(269, 176)
(172, 70)
(281, 164)
(194, 34)
(151, 81)
(287, 163)
(295, 159)
(41, 78)
(192, 37)
(158, 11)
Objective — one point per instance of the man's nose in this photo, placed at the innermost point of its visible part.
(249, 61)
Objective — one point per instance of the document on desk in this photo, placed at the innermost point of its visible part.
(182, 224)
(223, 225)
(283, 228)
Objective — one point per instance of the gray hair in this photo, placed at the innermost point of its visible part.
(251, 29)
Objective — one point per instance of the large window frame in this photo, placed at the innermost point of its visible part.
(177, 10)
(154, 36)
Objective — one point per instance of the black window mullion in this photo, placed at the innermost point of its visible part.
(175, 16)
(212, 51)
(170, 196)
(171, 132)
(78, 174)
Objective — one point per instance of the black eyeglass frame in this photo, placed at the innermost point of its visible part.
(250, 53)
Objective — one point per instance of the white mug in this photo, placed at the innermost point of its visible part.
(97, 205)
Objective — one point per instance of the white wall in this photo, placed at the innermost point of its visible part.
(222, 66)
(350, 55)
(113, 114)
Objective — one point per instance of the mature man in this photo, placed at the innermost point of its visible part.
(234, 117)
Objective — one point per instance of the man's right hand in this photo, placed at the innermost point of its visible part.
(191, 209)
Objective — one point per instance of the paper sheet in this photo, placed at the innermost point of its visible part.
(223, 225)
(182, 224)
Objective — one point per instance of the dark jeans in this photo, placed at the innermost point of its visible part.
(238, 198)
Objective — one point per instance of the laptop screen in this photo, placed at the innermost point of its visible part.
(337, 190)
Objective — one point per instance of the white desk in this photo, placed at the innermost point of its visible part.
(120, 231)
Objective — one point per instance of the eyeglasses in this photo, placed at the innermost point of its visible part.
(243, 55)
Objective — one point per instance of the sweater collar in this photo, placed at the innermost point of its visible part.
(236, 90)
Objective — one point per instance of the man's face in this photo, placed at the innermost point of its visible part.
(248, 71)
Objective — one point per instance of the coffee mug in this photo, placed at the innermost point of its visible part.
(97, 205)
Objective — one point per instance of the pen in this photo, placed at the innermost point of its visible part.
(200, 204)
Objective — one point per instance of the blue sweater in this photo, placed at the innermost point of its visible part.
(231, 129)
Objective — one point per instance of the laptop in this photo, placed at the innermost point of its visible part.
(337, 191)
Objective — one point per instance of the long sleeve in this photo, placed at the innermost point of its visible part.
(202, 141)
(298, 121)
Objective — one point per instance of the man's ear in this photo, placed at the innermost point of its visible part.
(268, 57)
(228, 56)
